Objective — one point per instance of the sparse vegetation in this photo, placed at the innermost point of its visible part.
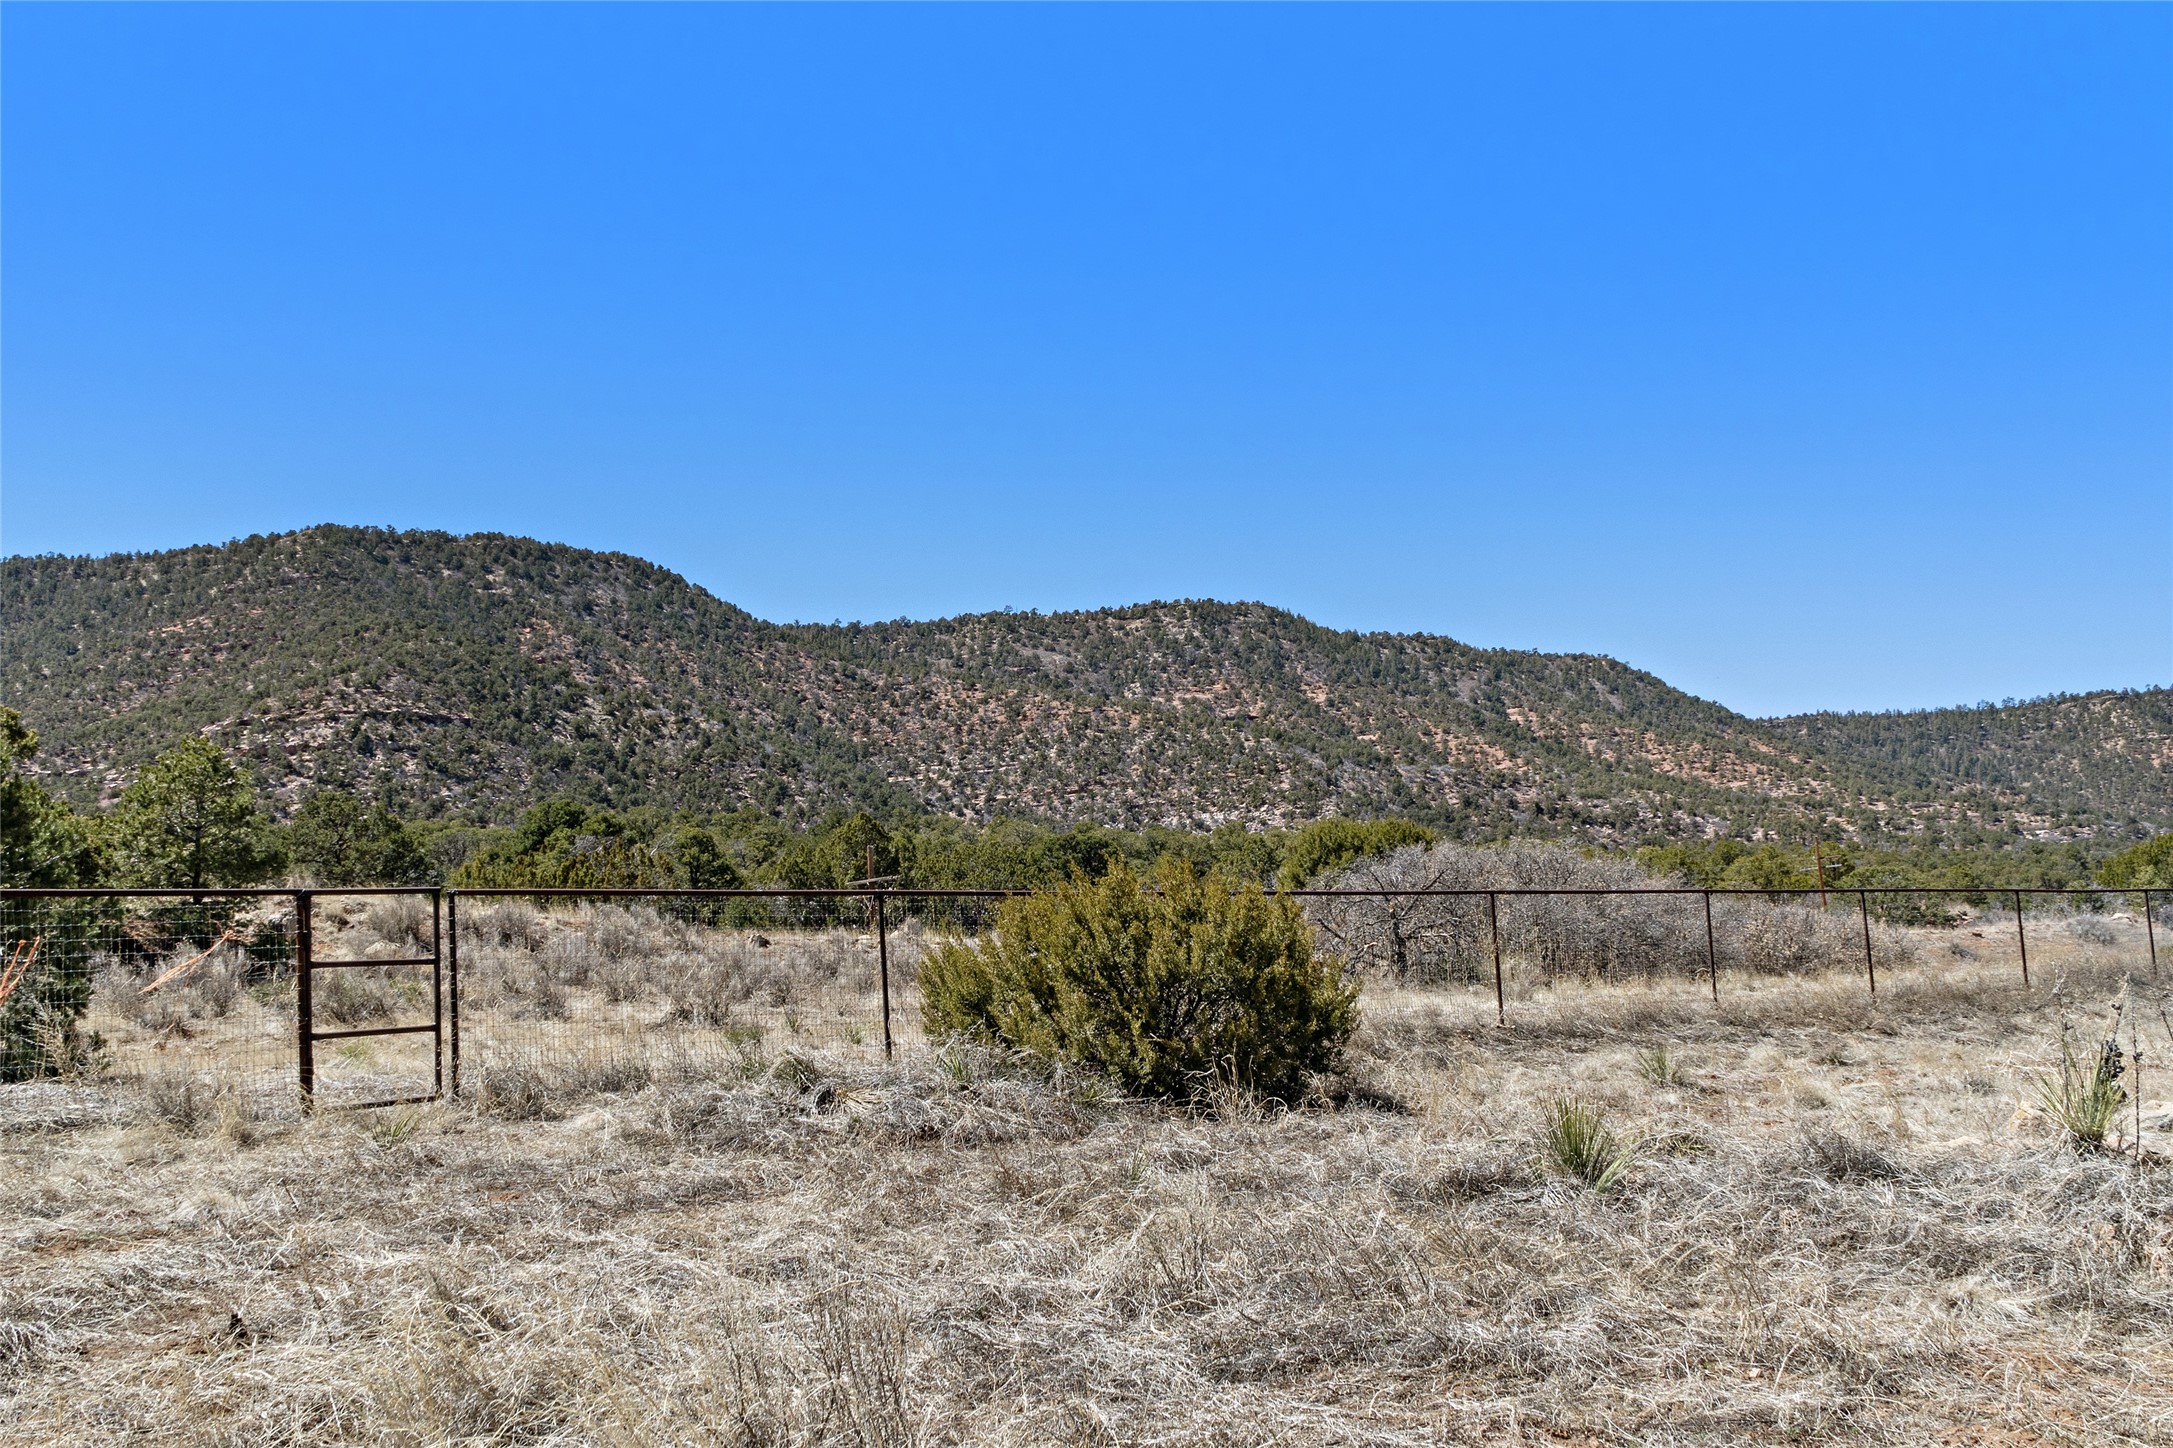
(1449, 938)
(807, 1245)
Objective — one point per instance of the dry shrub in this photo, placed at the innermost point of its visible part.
(477, 1369)
(833, 1373)
(2091, 930)
(1779, 937)
(569, 958)
(703, 988)
(207, 990)
(814, 963)
(700, 992)
(180, 1100)
(193, 1105)
(635, 933)
(1842, 1157)
(630, 956)
(536, 1089)
(405, 924)
(1545, 939)
(510, 924)
(511, 982)
(716, 1118)
(622, 982)
(352, 996)
(980, 1095)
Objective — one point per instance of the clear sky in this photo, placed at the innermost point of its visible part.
(1806, 356)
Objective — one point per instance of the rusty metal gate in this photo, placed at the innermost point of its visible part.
(307, 1036)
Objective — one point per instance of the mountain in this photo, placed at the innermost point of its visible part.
(475, 674)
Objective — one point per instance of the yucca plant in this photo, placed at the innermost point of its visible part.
(1577, 1142)
(2085, 1099)
(1660, 1065)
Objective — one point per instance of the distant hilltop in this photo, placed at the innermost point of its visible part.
(479, 673)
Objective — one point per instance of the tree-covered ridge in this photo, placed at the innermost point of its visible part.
(2048, 765)
(477, 671)
(475, 675)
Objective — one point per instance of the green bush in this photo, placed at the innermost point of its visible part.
(2146, 866)
(45, 980)
(342, 840)
(45, 986)
(1326, 846)
(1165, 991)
(192, 819)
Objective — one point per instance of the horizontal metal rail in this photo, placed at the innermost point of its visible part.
(575, 892)
(935, 892)
(183, 892)
(372, 1031)
(827, 892)
(404, 960)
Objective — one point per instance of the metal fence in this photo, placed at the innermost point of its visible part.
(293, 998)
(308, 998)
(693, 980)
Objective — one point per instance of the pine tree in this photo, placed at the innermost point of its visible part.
(191, 820)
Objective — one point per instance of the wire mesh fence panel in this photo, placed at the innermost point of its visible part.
(917, 924)
(1536, 939)
(170, 990)
(161, 991)
(1407, 943)
(674, 982)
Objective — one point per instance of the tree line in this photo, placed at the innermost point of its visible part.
(195, 819)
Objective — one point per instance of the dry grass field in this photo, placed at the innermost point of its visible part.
(1843, 1221)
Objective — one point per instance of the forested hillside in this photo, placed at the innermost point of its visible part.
(476, 674)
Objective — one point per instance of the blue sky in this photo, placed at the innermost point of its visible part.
(1806, 356)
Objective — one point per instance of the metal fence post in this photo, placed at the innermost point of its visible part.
(2150, 933)
(452, 986)
(882, 959)
(305, 1025)
(1871, 972)
(437, 991)
(1493, 924)
(2022, 940)
(1712, 956)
